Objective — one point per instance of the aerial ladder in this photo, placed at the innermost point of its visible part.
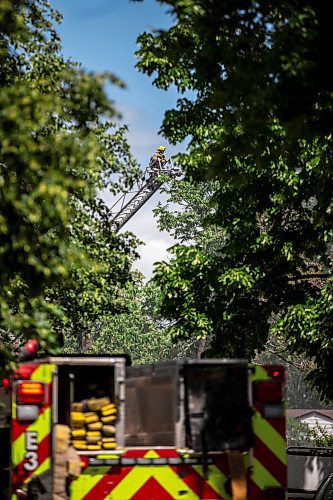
(130, 202)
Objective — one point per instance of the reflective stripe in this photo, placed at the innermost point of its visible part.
(151, 454)
(120, 482)
(42, 425)
(43, 373)
(216, 479)
(42, 468)
(86, 482)
(259, 374)
(38, 457)
(268, 470)
(268, 435)
(262, 477)
(139, 475)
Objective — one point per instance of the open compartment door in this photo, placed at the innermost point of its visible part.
(151, 405)
(91, 401)
(217, 405)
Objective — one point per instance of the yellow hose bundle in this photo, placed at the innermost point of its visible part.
(77, 407)
(109, 419)
(96, 404)
(109, 446)
(108, 440)
(93, 439)
(77, 419)
(79, 444)
(109, 410)
(78, 433)
(108, 430)
(90, 417)
(94, 434)
(95, 426)
(93, 447)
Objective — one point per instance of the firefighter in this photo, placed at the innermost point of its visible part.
(158, 160)
(55, 483)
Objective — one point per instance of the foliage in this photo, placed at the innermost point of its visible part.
(140, 331)
(301, 434)
(321, 437)
(185, 212)
(59, 261)
(297, 433)
(259, 120)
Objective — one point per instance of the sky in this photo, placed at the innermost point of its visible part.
(102, 36)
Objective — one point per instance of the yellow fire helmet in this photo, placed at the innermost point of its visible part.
(161, 148)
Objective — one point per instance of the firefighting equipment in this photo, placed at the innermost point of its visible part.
(90, 417)
(78, 433)
(109, 446)
(91, 428)
(95, 426)
(108, 430)
(108, 440)
(93, 447)
(265, 464)
(98, 403)
(77, 419)
(90, 405)
(79, 444)
(93, 437)
(109, 443)
(77, 407)
(109, 419)
(108, 410)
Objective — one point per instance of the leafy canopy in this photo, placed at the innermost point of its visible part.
(140, 331)
(258, 116)
(60, 263)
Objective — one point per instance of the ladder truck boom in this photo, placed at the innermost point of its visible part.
(125, 208)
(139, 198)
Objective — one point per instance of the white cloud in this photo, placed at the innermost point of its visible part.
(154, 251)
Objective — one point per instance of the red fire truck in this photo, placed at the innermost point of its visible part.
(192, 429)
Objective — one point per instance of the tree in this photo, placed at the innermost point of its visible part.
(59, 261)
(321, 437)
(139, 331)
(186, 222)
(301, 434)
(260, 123)
(183, 215)
(297, 433)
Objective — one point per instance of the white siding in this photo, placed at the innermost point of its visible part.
(314, 419)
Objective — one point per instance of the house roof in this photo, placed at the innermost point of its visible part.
(307, 411)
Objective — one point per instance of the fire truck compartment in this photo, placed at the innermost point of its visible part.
(203, 405)
(87, 379)
(151, 406)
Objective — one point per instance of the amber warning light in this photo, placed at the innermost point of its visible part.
(30, 392)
